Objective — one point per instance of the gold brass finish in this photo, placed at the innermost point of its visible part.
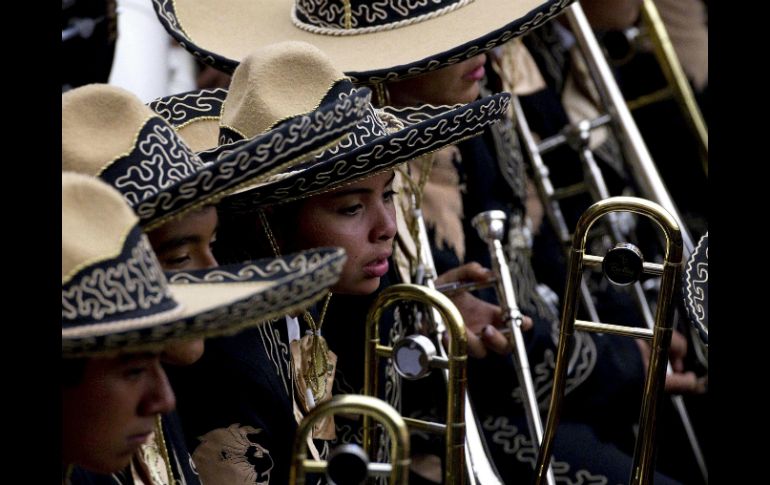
(370, 407)
(454, 430)
(660, 335)
(676, 78)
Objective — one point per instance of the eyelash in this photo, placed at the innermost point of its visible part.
(134, 373)
(353, 209)
(178, 261)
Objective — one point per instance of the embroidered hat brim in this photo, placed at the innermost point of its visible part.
(221, 33)
(424, 130)
(216, 302)
(116, 298)
(696, 288)
(159, 175)
(195, 115)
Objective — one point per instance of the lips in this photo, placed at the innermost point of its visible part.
(139, 438)
(377, 267)
(477, 73)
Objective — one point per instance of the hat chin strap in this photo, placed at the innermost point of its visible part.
(269, 233)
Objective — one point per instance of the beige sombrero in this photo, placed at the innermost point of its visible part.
(109, 133)
(116, 297)
(381, 140)
(370, 40)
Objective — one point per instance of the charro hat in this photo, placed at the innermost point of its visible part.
(696, 288)
(370, 40)
(382, 139)
(108, 132)
(116, 297)
(275, 83)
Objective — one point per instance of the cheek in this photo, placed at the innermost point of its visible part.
(94, 428)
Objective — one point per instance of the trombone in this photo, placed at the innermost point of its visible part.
(677, 83)
(413, 357)
(479, 468)
(643, 170)
(349, 463)
(622, 264)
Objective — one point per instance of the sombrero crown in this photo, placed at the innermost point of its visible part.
(108, 132)
(382, 139)
(273, 85)
(115, 296)
(370, 40)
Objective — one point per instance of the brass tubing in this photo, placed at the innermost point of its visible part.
(457, 376)
(642, 468)
(672, 69)
(354, 404)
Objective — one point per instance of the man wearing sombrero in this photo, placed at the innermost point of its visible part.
(380, 142)
(355, 34)
(120, 313)
(109, 132)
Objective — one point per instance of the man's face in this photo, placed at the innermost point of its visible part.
(185, 243)
(458, 83)
(112, 410)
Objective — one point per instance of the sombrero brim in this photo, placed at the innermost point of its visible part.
(222, 33)
(426, 129)
(696, 288)
(219, 301)
(234, 166)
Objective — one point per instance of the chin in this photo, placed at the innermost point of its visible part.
(106, 465)
(363, 288)
(472, 94)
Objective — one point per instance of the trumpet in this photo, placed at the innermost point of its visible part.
(622, 264)
(349, 463)
(491, 226)
(413, 357)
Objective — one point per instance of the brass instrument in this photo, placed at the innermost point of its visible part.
(641, 165)
(348, 463)
(677, 83)
(491, 228)
(406, 365)
(477, 469)
(623, 265)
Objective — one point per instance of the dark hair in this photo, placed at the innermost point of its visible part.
(72, 371)
(241, 237)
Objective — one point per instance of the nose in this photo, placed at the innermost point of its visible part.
(384, 227)
(208, 260)
(159, 397)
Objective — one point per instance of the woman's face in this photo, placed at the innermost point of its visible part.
(455, 84)
(112, 410)
(361, 218)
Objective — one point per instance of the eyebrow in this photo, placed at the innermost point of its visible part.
(124, 358)
(181, 241)
(361, 190)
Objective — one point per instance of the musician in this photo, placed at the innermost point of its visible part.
(114, 389)
(327, 201)
(182, 243)
(487, 173)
